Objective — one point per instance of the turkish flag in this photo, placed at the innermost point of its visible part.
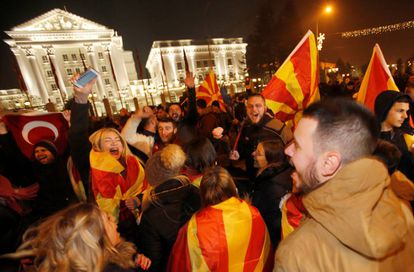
(29, 128)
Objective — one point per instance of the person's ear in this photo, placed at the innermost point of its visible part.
(331, 162)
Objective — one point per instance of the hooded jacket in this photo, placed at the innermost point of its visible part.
(355, 223)
(383, 104)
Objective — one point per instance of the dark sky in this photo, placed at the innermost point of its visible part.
(142, 21)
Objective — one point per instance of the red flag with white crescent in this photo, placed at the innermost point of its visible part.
(29, 128)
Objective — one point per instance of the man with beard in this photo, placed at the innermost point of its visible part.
(167, 129)
(355, 221)
(259, 126)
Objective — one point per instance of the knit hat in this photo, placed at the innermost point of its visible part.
(48, 145)
(164, 164)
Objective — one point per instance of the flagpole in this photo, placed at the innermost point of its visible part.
(166, 78)
(114, 76)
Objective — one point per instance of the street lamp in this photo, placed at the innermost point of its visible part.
(326, 10)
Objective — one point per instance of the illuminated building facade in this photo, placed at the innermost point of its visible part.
(226, 56)
(51, 48)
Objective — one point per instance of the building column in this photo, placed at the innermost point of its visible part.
(61, 82)
(26, 71)
(38, 75)
(94, 63)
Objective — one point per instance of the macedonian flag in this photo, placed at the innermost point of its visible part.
(377, 78)
(229, 236)
(209, 91)
(295, 83)
(109, 186)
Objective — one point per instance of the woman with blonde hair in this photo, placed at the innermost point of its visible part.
(117, 177)
(227, 234)
(79, 238)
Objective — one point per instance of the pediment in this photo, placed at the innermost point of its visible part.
(58, 20)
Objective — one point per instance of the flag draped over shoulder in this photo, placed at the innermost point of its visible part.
(229, 236)
(209, 91)
(29, 128)
(109, 186)
(295, 83)
(377, 78)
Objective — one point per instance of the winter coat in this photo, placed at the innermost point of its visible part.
(172, 204)
(252, 134)
(269, 188)
(355, 223)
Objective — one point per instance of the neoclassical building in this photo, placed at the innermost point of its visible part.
(51, 48)
(227, 57)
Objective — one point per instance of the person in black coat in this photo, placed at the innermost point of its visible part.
(272, 182)
(170, 203)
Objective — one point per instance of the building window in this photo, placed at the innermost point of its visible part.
(103, 68)
(200, 78)
(205, 62)
(69, 71)
(229, 62)
(179, 66)
(231, 75)
(107, 82)
(198, 64)
(54, 87)
(213, 63)
(74, 57)
(49, 73)
(110, 93)
(77, 69)
(100, 55)
(45, 59)
(58, 101)
(65, 57)
(82, 56)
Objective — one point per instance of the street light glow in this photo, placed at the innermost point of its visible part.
(328, 9)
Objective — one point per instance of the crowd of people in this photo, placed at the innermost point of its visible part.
(191, 187)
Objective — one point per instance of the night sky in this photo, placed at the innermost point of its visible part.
(140, 22)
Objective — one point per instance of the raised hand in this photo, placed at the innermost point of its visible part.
(81, 94)
(189, 80)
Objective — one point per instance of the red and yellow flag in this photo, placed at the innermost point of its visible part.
(209, 91)
(229, 236)
(377, 78)
(295, 83)
(109, 186)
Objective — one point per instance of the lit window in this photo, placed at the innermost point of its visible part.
(65, 57)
